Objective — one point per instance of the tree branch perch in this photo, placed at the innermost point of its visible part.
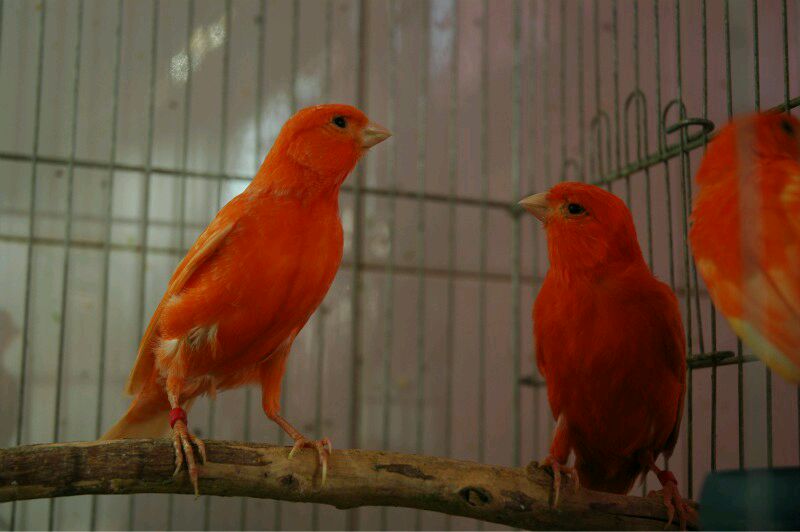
(513, 497)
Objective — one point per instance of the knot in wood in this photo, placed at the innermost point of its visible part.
(475, 496)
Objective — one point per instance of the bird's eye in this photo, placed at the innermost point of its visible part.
(340, 121)
(787, 126)
(575, 208)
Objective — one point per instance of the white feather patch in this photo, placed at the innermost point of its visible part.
(201, 336)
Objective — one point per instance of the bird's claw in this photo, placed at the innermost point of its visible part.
(182, 441)
(675, 504)
(558, 469)
(324, 449)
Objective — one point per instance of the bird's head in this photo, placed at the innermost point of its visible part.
(587, 227)
(773, 134)
(328, 139)
(746, 141)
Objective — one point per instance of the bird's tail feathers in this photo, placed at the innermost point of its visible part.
(598, 477)
(147, 417)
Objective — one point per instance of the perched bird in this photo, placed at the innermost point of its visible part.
(745, 234)
(249, 283)
(610, 345)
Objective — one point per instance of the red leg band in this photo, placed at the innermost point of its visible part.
(180, 414)
(667, 476)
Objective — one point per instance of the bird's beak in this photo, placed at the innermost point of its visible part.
(537, 205)
(373, 134)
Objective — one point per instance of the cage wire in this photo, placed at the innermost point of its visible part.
(127, 124)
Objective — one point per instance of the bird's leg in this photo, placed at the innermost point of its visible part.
(672, 497)
(559, 468)
(557, 460)
(182, 441)
(324, 447)
(271, 372)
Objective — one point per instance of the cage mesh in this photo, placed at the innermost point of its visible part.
(126, 124)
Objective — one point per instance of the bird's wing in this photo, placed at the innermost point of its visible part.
(209, 242)
(542, 305)
(750, 260)
(770, 323)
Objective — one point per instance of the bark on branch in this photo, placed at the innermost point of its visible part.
(515, 497)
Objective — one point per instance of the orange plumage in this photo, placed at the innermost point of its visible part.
(609, 343)
(250, 282)
(745, 234)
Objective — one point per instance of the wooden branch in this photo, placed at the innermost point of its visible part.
(515, 497)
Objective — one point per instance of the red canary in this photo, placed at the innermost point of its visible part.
(249, 284)
(745, 234)
(609, 343)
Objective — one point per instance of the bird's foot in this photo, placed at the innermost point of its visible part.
(558, 469)
(324, 449)
(673, 500)
(182, 441)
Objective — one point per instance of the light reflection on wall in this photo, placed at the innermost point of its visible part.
(204, 39)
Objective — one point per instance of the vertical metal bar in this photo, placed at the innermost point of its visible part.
(615, 46)
(596, 34)
(581, 102)
(533, 121)
(562, 83)
(659, 125)
(62, 332)
(729, 107)
(223, 153)
(187, 107)
(712, 310)
(756, 69)
(388, 286)
(642, 144)
(258, 157)
(146, 204)
(686, 258)
(786, 90)
(516, 252)
(295, 53)
(642, 147)
(600, 169)
(484, 149)
(187, 118)
(661, 149)
(320, 325)
(422, 139)
(687, 178)
(23, 369)
(104, 294)
(223, 126)
(757, 101)
(319, 333)
(68, 228)
(617, 129)
(785, 31)
(1, 31)
(728, 82)
(452, 179)
(358, 255)
(545, 75)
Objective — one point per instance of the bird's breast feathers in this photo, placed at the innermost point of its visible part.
(264, 282)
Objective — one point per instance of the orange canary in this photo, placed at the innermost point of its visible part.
(610, 344)
(745, 234)
(249, 283)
